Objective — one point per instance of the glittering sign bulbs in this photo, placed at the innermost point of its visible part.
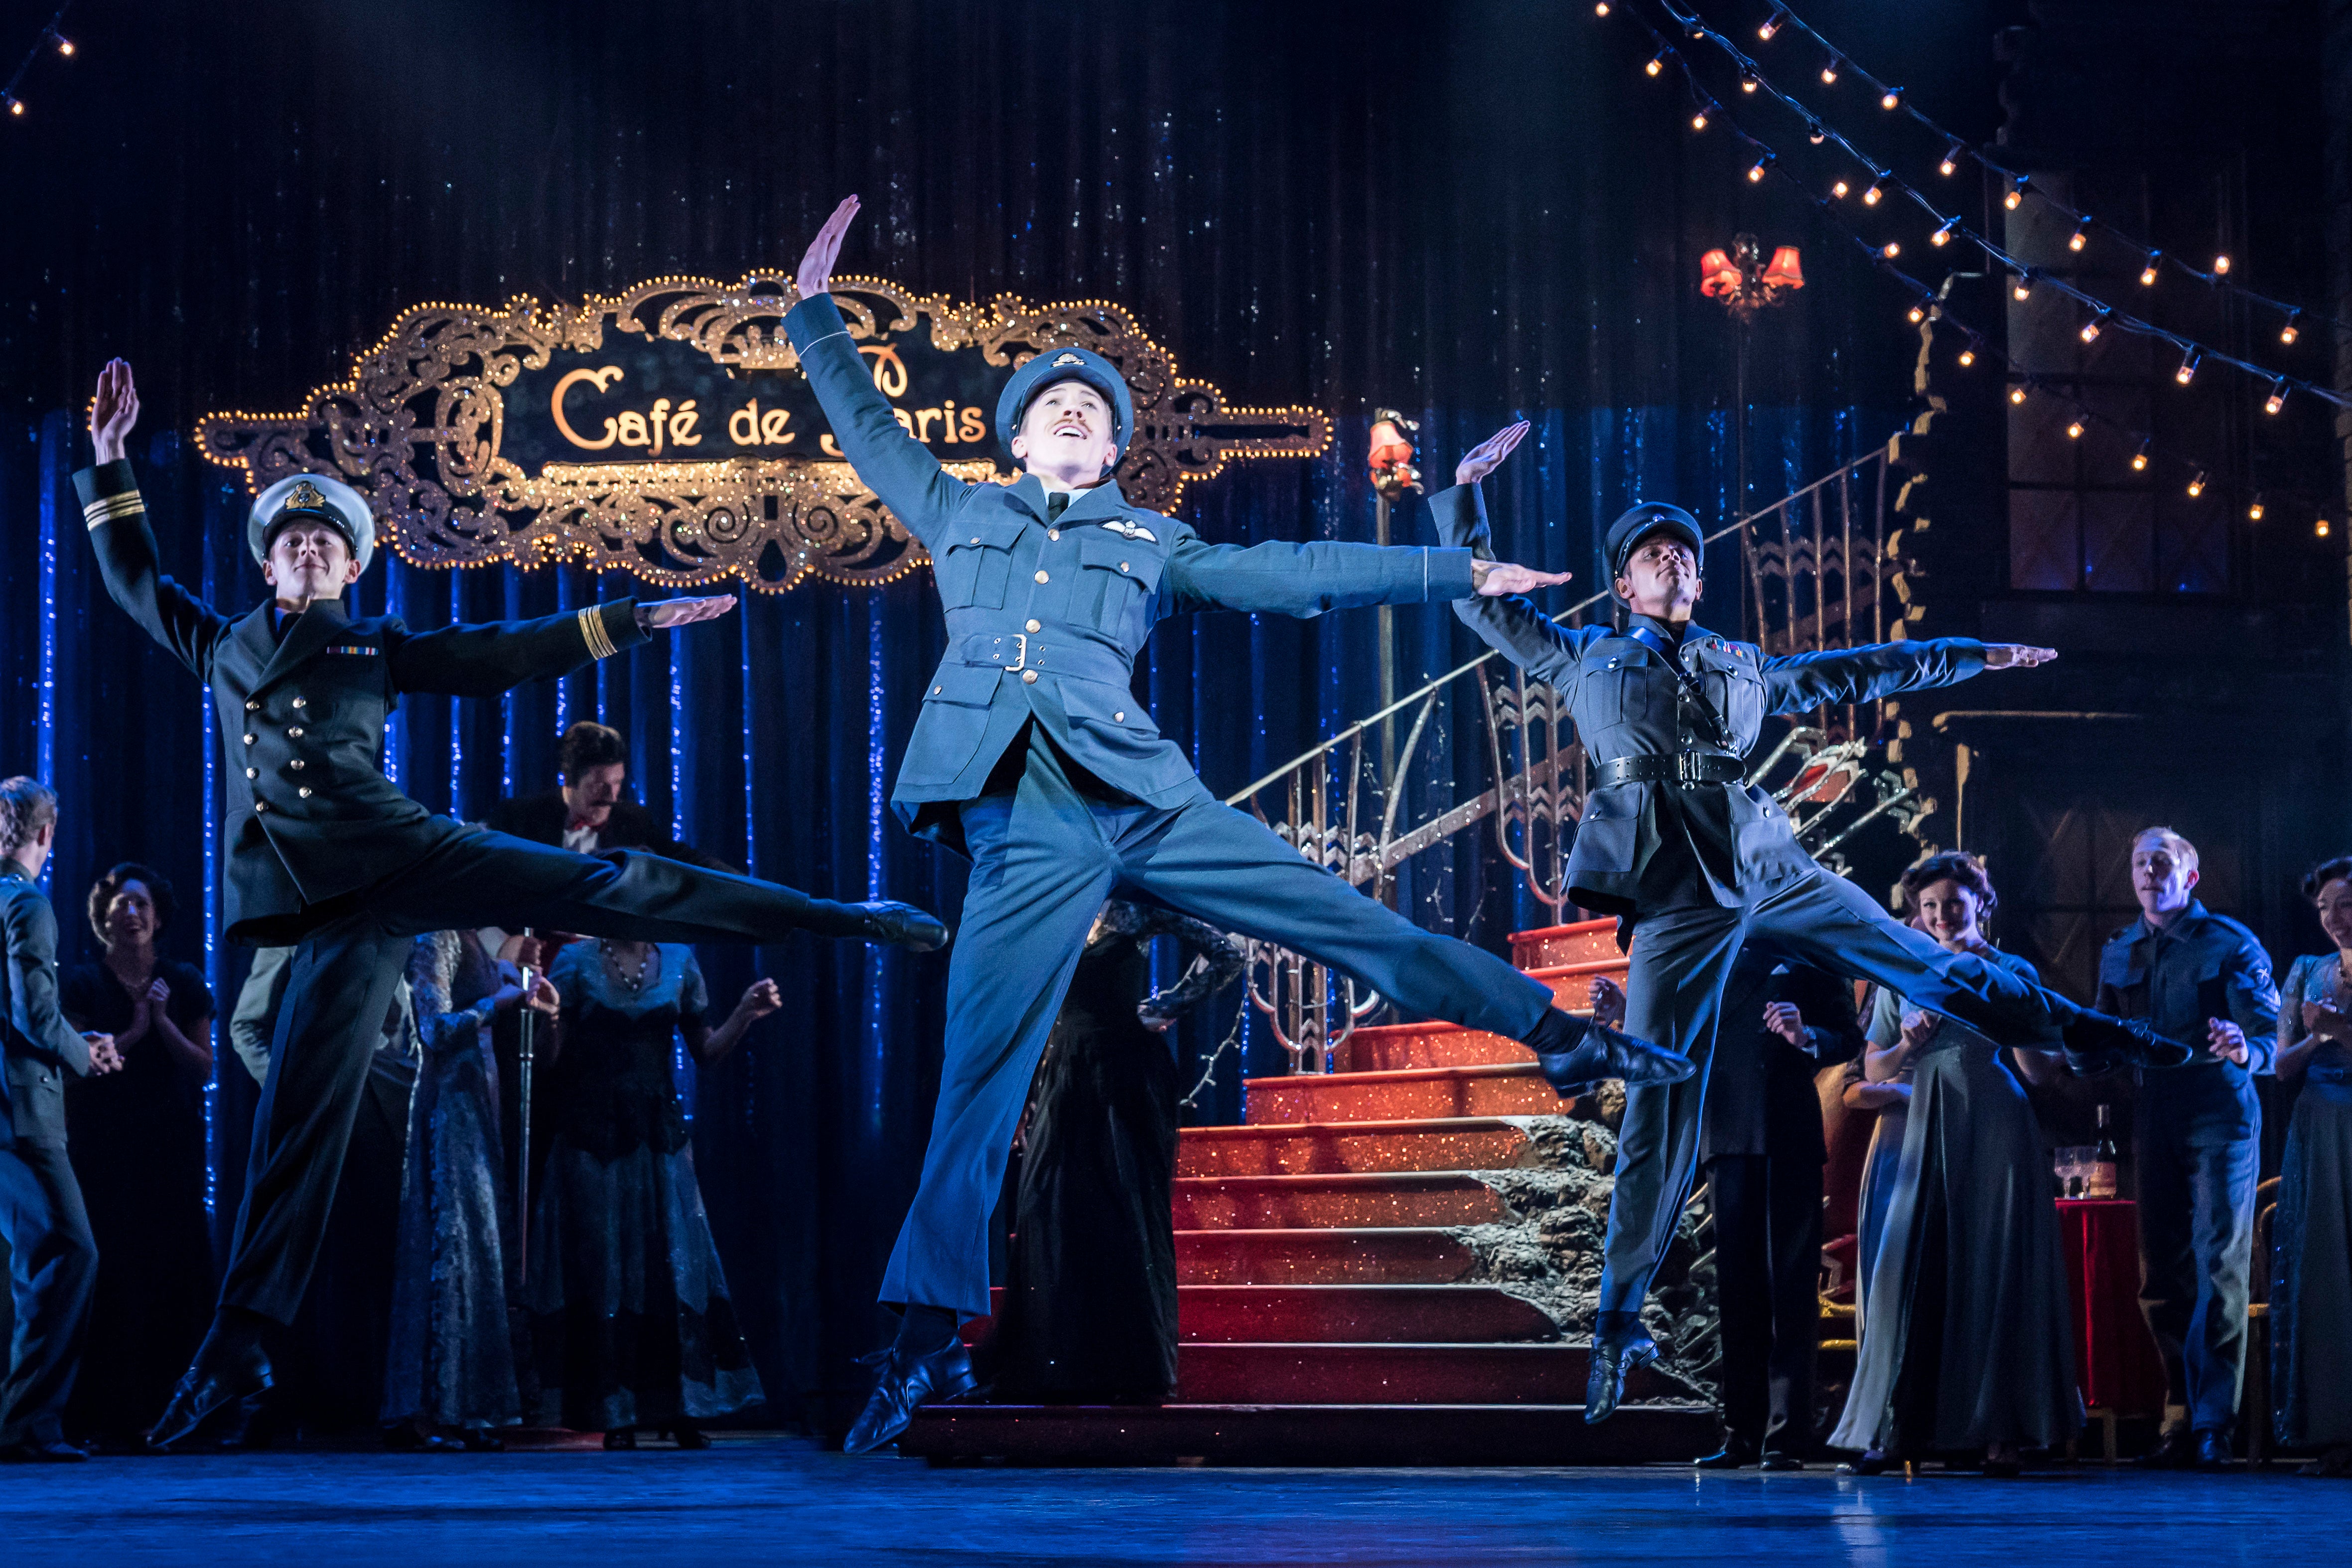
(667, 432)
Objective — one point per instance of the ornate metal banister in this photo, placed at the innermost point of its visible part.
(1819, 575)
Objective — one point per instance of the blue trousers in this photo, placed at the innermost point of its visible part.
(1044, 857)
(1674, 995)
(2197, 1144)
(52, 1271)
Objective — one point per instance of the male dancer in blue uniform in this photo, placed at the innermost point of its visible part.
(1696, 861)
(326, 855)
(1034, 756)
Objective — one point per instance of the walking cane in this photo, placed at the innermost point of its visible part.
(525, 1049)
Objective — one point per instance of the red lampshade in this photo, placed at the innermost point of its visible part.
(1784, 272)
(1716, 274)
(1389, 445)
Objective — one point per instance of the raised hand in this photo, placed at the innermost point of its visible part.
(815, 275)
(1493, 579)
(685, 612)
(2017, 656)
(1607, 999)
(113, 411)
(1487, 456)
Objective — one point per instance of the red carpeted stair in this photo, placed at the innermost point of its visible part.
(1326, 1306)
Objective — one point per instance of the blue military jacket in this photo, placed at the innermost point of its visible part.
(2201, 967)
(39, 1045)
(1649, 846)
(311, 815)
(1044, 620)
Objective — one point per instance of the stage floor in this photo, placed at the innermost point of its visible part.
(763, 1499)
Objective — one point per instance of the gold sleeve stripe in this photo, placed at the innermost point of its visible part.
(108, 508)
(592, 631)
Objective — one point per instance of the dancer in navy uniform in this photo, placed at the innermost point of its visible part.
(1696, 861)
(1035, 757)
(324, 853)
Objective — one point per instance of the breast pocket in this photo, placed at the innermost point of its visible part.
(1611, 691)
(1117, 579)
(2120, 968)
(1738, 694)
(977, 563)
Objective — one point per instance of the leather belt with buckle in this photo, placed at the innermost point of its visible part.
(1680, 768)
(1062, 654)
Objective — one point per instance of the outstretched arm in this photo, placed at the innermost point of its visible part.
(484, 659)
(1511, 625)
(117, 518)
(1867, 674)
(897, 467)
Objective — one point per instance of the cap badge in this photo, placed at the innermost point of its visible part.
(305, 497)
(1067, 358)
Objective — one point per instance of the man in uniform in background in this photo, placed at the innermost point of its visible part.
(52, 1257)
(326, 855)
(2196, 1137)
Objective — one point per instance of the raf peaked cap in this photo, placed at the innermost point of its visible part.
(300, 496)
(1066, 365)
(1644, 518)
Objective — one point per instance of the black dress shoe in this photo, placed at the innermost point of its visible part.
(903, 925)
(1780, 1459)
(230, 1366)
(482, 1440)
(35, 1451)
(1866, 1464)
(905, 1381)
(688, 1436)
(2212, 1452)
(1577, 1054)
(1734, 1455)
(2176, 1450)
(1617, 1348)
(2097, 1042)
(246, 1425)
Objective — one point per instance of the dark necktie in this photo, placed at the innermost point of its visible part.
(1056, 505)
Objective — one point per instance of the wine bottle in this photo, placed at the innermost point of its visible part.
(2102, 1181)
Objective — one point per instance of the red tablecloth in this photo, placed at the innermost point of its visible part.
(2115, 1358)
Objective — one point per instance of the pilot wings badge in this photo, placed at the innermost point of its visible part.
(1130, 531)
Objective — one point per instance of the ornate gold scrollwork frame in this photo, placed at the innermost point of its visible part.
(416, 429)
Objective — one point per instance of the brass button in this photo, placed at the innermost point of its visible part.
(1033, 626)
(1054, 534)
(304, 792)
(253, 773)
(253, 706)
(1119, 718)
(1123, 566)
(248, 739)
(296, 765)
(1041, 577)
(937, 689)
(260, 806)
(301, 702)
(296, 732)
(975, 538)
(1028, 678)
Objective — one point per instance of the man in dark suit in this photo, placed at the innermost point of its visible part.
(52, 1259)
(589, 814)
(1696, 861)
(1761, 1145)
(325, 853)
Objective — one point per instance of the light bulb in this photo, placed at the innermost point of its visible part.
(1601, 7)
(2078, 239)
(2017, 393)
(1870, 196)
(2074, 430)
(17, 107)
(1891, 99)
(2254, 512)
(2319, 528)
(2221, 265)
(2014, 196)
(65, 45)
(1944, 234)
(1918, 313)
(1698, 121)
(2287, 331)
(2091, 327)
(2022, 287)
(1891, 249)
(1756, 174)
(2139, 460)
(2187, 371)
(1747, 83)
(2197, 485)
(1815, 133)
(1657, 63)
(2277, 399)
(1840, 188)
(1951, 164)
(1828, 72)
(2148, 269)
(1967, 357)
(1771, 25)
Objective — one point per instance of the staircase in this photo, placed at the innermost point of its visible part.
(1374, 1269)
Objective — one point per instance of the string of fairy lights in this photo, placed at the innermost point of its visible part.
(1877, 182)
(53, 40)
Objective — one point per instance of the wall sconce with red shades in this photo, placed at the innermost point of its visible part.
(1743, 282)
(1392, 453)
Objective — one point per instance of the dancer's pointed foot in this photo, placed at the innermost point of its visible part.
(1620, 1346)
(1576, 1054)
(2097, 1042)
(230, 1366)
(904, 1381)
(903, 925)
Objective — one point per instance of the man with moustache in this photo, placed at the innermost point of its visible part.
(1035, 757)
(1695, 861)
(327, 856)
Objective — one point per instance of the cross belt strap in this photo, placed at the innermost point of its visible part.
(1064, 653)
(1693, 692)
(1684, 768)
